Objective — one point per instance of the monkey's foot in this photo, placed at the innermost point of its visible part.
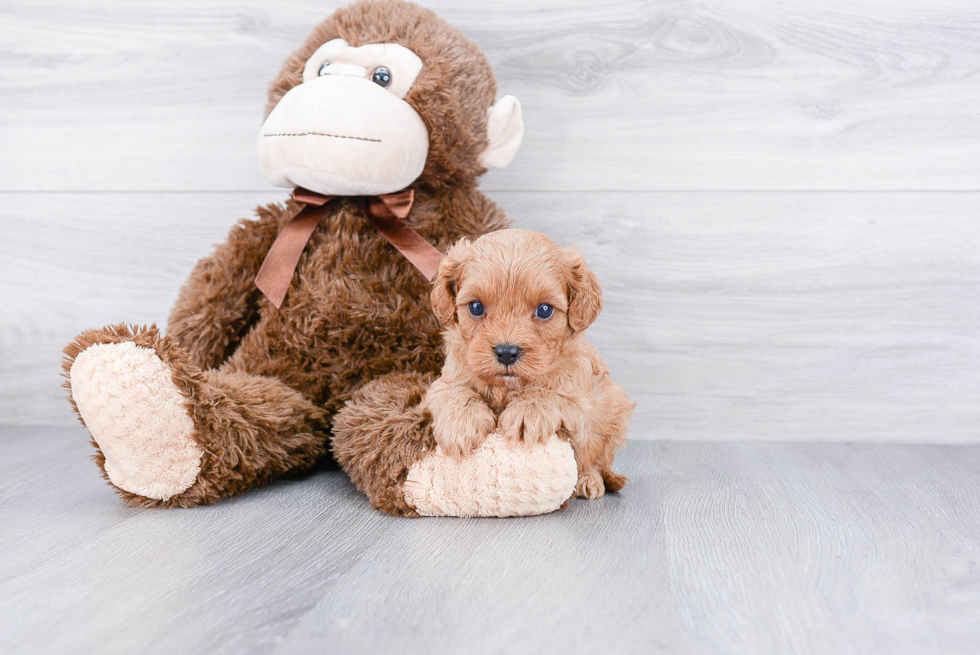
(500, 478)
(127, 398)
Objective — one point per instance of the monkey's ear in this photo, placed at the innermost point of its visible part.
(584, 293)
(447, 282)
(505, 131)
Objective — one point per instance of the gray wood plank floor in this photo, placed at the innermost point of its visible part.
(712, 548)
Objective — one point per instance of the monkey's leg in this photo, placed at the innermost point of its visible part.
(383, 440)
(168, 434)
(379, 434)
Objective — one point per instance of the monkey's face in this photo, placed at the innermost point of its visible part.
(383, 95)
(346, 129)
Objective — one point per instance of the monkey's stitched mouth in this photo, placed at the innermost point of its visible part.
(334, 136)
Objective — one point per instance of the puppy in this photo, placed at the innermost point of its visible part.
(514, 306)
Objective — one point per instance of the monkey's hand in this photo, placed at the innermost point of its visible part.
(219, 301)
(529, 420)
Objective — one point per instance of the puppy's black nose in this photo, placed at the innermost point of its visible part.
(507, 354)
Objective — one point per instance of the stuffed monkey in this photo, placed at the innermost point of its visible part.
(382, 121)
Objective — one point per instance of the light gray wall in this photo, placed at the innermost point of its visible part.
(781, 198)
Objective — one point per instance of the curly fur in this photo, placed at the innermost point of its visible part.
(558, 384)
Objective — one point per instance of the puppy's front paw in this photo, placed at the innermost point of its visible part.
(528, 421)
(590, 485)
(460, 432)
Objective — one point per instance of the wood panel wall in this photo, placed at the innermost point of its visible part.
(782, 199)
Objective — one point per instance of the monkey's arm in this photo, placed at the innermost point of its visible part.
(219, 301)
(461, 420)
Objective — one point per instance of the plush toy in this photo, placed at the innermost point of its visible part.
(382, 121)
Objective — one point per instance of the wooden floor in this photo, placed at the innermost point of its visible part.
(712, 548)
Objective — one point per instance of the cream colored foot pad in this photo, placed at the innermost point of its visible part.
(498, 479)
(127, 398)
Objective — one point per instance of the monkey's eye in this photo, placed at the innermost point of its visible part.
(476, 309)
(323, 68)
(544, 311)
(381, 76)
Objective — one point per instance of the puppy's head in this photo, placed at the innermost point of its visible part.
(510, 301)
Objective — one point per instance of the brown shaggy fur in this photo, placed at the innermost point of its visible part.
(262, 384)
(380, 433)
(557, 384)
(229, 410)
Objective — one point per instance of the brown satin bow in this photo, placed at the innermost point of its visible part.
(386, 213)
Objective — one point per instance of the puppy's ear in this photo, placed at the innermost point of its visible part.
(584, 293)
(447, 281)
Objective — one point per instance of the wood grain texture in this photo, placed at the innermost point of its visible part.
(638, 95)
(783, 316)
(712, 548)
(743, 315)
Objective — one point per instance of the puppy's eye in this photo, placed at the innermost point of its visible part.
(476, 308)
(323, 68)
(381, 76)
(544, 311)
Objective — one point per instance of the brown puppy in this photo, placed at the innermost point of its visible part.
(515, 306)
